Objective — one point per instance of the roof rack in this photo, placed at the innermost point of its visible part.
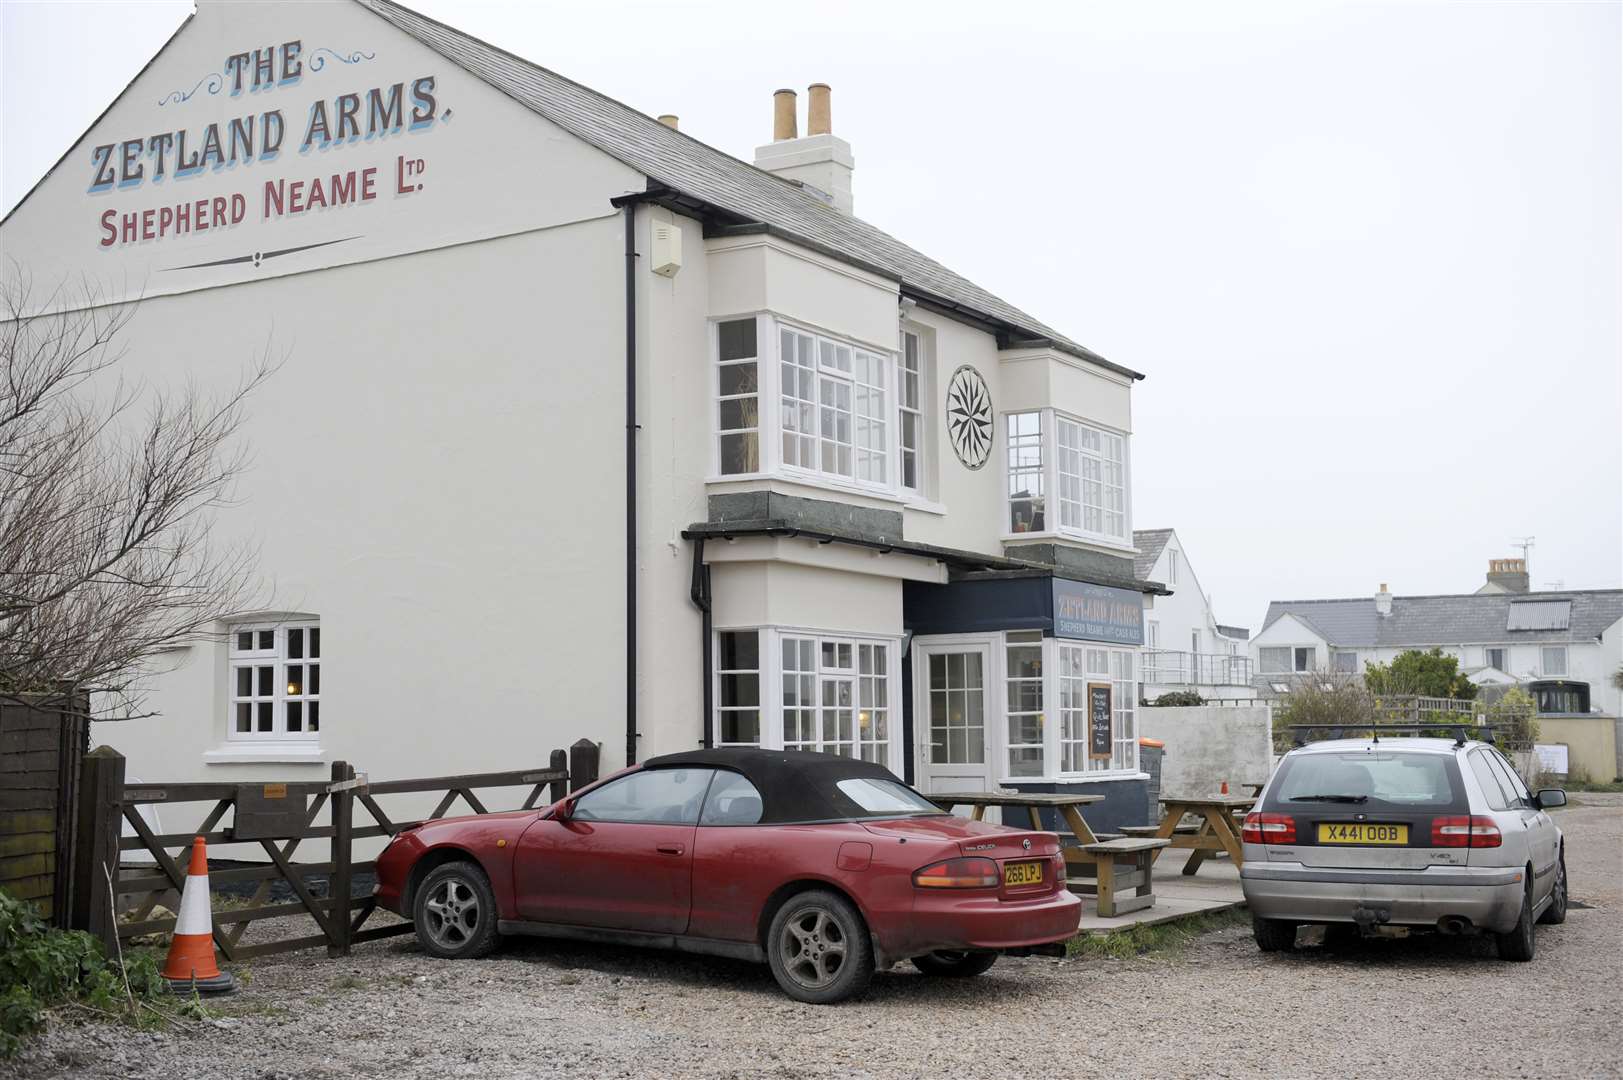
(1462, 731)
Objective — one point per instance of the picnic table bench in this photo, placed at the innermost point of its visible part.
(1216, 831)
(1100, 865)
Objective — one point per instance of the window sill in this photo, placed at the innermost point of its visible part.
(1115, 547)
(1092, 778)
(290, 753)
(890, 495)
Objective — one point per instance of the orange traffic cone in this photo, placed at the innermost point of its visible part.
(191, 964)
(1223, 791)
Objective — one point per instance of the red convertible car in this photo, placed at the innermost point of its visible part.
(824, 867)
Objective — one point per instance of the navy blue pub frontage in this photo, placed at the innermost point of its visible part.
(995, 602)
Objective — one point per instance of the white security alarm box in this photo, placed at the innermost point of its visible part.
(667, 255)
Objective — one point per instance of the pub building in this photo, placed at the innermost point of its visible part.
(588, 429)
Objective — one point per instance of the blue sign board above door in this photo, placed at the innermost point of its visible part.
(1097, 613)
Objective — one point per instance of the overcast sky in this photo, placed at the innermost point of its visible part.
(1367, 254)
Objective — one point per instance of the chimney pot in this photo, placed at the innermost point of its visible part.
(669, 120)
(1383, 601)
(783, 115)
(818, 117)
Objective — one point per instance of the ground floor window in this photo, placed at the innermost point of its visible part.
(275, 681)
(1080, 666)
(834, 694)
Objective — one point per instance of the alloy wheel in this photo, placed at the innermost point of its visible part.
(813, 947)
(452, 913)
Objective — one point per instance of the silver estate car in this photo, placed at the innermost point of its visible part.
(1414, 832)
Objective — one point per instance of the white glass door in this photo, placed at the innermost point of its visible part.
(954, 716)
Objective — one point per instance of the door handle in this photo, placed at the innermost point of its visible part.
(669, 849)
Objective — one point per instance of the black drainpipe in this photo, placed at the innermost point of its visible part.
(630, 210)
(700, 592)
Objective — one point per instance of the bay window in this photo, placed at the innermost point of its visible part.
(1025, 702)
(1079, 666)
(834, 694)
(1084, 465)
(828, 410)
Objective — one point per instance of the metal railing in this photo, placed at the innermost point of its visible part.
(1163, 667)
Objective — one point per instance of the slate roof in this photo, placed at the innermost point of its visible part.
(1150, 543)
(1447, 620)
(683, 163)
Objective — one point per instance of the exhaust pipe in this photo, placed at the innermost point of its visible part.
(1454, 924)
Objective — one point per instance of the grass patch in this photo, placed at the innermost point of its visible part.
(1608, 787)
(1154, 938)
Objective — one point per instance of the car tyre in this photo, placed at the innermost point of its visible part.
(955, 964)
(1274, 935)
(1556, 913)
(1518, 945)
(818, 948)
(454, 911)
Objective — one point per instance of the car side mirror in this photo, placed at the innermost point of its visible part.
(1550, 798)
(565, 810)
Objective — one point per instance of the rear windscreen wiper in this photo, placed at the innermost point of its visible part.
(1330, 798)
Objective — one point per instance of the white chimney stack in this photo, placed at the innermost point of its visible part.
(821, 161)
(1383, 601)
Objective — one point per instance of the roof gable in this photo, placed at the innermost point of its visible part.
(679, 161)
(1150, 543)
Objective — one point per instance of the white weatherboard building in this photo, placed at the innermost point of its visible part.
(589, 429)
(1185, 647)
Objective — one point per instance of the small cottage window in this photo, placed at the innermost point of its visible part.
(738, 382)
(1025, 472)
(275, 681)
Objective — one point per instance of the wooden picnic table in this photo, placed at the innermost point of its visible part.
(1217, 831)
(1067, 807)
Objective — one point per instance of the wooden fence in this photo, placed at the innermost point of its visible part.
(40, 752)
(275, 816)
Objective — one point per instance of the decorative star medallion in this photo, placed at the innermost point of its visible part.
(969, 417)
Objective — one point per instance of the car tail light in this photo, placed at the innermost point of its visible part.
(970, 873)
(1268, 829)
(1473, 831)
(1059, 870)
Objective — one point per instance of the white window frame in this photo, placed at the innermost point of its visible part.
(1504, 654)
(1172, 566)
(1544, 654)
(1291, 669)
(1021, 639)
(765, 391)
(1057, 491)
(276, 658)
(1336, 654)
(1125, 686)
(826, 672)
(923, 375)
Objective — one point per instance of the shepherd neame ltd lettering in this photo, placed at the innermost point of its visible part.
(259, 137)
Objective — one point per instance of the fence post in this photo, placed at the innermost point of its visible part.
(95, 848)
(558, 788)
(338, 886)
(582, 763)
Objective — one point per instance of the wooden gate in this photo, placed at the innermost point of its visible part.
(40, 753)
(277, 816)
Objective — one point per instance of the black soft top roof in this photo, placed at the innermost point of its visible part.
(795, 785)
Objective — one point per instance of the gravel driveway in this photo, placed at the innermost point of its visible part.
(1430, 1006)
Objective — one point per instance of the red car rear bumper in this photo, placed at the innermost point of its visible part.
(949, 921)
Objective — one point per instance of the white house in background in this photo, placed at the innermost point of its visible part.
(1186, 648)
(1502, 638)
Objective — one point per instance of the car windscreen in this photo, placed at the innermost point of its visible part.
(876, 797)
(1390, 778)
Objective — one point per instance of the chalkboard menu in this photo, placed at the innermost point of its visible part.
(1100, 733)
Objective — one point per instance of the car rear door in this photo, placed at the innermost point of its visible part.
(622, 860)
(1369, 808)
(1537, 828)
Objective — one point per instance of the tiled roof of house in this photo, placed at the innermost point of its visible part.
(1448, 620)
(1149, 543)
(683, 163)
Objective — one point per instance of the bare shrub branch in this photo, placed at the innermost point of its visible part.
(107, 504)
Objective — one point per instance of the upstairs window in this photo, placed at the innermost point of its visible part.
(1092, 480)
(1084, 466)
(1495, 658)
(1025, 472)
(1277, 659)
(739, 397)
(275, 681)
(1553, 660)
(911, 394)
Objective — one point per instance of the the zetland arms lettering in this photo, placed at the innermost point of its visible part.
(259, 137)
